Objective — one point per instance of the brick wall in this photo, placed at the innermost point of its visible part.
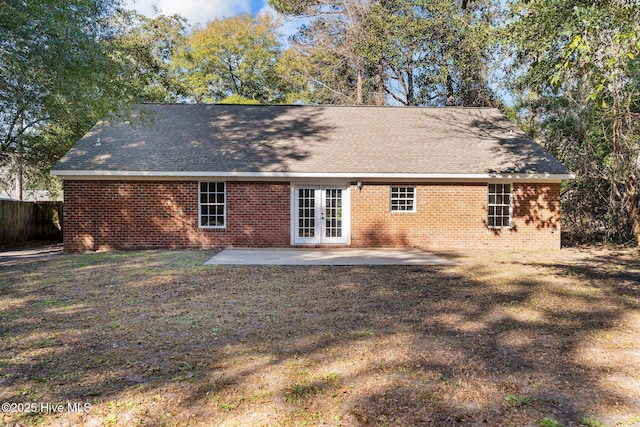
(454, 216)
(153, 214)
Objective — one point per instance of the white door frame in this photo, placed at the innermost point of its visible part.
(319, 213)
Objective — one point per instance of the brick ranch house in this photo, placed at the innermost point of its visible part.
(204, 176)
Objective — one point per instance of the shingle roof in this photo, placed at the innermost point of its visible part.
(199, 138)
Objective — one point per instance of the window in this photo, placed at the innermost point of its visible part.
(212, 204)
(403, 199)
(499, 206)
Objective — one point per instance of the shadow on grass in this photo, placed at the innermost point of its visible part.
(400, 345)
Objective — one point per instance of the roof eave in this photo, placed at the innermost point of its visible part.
(183, 175)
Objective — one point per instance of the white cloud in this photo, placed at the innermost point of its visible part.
(196, 11)
(266, 8)
(202, 11)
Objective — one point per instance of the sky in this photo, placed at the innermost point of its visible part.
(200, 11)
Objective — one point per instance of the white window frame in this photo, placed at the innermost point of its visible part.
(497, 203)
(402, 189)
(201, 204)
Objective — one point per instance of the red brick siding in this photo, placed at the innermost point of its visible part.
(164, 214)
(454, 216)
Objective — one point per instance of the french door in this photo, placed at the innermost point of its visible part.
(321, 215)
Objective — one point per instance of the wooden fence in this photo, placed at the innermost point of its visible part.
(22, 221)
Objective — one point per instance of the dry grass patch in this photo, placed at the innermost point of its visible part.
(157, 338)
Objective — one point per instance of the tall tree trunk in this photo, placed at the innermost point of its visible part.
(19, 179)
(379, 82)
(410, 89)
(450, 92)
(359, 93)
(19, 160)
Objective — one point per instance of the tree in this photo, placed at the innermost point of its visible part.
(434, 52)
(49, 52)
(580, 83)
(416, 52)
(235, 56)
(330, 44)
(145, 47)
(319, 60)
(66, 64)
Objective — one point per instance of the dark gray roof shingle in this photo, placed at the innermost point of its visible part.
(311, 139)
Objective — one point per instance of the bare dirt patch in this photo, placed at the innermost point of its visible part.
(157, 338)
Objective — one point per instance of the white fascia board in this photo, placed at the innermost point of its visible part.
(104, 174)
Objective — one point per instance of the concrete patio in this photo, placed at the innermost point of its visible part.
(325, 256)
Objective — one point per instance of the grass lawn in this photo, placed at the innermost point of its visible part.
(157, 338)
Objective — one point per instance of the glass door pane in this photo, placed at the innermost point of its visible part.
(306, 212)
(333, 212)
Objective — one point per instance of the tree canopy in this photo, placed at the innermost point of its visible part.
(418, 52)
(235, 57)
(575, 70)
(64, 64)
(49, 55)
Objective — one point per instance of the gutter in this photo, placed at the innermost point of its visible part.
(262, 176)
